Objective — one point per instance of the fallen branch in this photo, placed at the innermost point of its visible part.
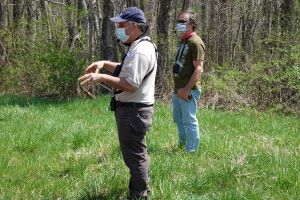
(77, 37)
(55, 2)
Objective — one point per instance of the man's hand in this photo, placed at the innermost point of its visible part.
(183, 93)
(94, 67)
(90, 78)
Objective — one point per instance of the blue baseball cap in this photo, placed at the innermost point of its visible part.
(130, 14)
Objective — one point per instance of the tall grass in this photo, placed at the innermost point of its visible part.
(69, 150)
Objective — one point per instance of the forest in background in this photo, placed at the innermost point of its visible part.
(252, 48)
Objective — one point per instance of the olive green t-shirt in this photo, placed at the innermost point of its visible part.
(192, 50)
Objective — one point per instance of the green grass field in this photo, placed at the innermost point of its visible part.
(69, 150)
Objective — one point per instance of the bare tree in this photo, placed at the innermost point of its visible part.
(132, 3)
(98, 27)
(248, 28)
(176, 13)
(151, 10)
(137, 3)
(83, 16)
(109, 51)
(202, 19)
(266, 18)
(3, 14)
(287, 15)
(31, 18)
(18, 6)
(2, 54)
(275, 15)
(91, 29)
(163, 47)
(72, 23)
(222, 31)
(185, 5)
(212, 27)
(45, 16)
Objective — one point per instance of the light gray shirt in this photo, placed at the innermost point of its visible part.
(139, 61)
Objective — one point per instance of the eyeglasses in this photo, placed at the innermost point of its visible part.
(182, 21)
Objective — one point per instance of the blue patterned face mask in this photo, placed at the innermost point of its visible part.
(121, 34)
(181, 27)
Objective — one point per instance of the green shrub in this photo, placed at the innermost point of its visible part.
(44, 71)
(274, 86)
(38, 66)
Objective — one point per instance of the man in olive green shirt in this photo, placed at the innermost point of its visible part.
(187, 70)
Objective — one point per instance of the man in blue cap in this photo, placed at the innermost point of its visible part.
(133, 80)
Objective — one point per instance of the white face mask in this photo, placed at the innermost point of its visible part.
(181, 28)
(121, 34)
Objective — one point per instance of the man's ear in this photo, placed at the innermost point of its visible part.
(190, 26)
(131, 27)
(134, 26)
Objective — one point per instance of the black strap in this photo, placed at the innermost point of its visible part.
(181, 48)
(132, 104)
(156, 53)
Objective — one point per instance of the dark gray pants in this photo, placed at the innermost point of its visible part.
(132, 124)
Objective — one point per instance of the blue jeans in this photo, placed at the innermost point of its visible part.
(184, 115)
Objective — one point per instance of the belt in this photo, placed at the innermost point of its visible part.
(132, 104)
(176, 90)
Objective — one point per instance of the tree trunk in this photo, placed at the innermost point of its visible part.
(3, 14)
(223, 34)
(211, 41)
(83, 21)
(266, 18)
(18, 10)
(2, 54)
(137, 3)
(202, 20)
(132, 3)
(176, 13)
(72, 26)
(98, 25)
(185, 5)
(276, 16)
(163, 47)
(45, 16)
(31, 18)
(151, 11)
(109, 51)
(91, 29)
(248, 27)
(287, 15)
